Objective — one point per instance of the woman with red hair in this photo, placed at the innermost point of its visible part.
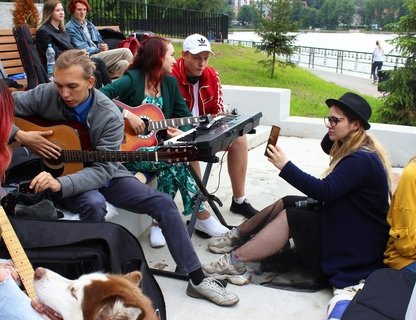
(148, 80)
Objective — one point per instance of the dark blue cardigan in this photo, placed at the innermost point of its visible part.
(354, 230)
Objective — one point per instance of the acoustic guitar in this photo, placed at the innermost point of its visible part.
(17, 254)
(74, 157)
(154, 121)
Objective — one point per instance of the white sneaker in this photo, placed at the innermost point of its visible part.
(213, 291)
(156, 237)
(211, 226)
(222, 269)
(226, 243)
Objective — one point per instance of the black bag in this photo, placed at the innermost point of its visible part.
(73, 248)
(385, 296)
(111, 37)
(35, 71)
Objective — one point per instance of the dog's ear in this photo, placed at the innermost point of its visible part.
(135, 277)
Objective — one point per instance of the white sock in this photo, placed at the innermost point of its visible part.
(211, 226)
(239, 200)
(156, 237)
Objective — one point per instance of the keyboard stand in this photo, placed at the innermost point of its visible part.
(204, 195)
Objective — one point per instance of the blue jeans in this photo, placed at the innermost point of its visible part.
(130, 194)
(14, 303)
(375, 68)
(411, 267)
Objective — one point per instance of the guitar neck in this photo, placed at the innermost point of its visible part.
(18, 255)
(168, 154)
(174, 122)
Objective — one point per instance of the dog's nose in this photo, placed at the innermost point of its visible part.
(39, 273)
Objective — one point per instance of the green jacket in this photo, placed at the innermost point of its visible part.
(130, 89)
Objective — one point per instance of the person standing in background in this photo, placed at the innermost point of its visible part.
(377, 62)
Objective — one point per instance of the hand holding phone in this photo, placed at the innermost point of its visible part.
(274, 134)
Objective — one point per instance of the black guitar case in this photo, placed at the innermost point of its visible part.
(35, 71)
(73, 248)
(385, 296)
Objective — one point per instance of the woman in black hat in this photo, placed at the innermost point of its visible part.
(345, 234)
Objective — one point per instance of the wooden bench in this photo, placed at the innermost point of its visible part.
(9, 54)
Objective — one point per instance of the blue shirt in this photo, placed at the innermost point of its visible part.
(80, 112)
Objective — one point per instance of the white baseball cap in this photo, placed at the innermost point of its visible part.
(196, 43)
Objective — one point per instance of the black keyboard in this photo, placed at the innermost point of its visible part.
(220, 134)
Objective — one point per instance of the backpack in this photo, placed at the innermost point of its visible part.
(111, 37)
(72, 248)
(35, 71)
(132, 43)
(385, 296)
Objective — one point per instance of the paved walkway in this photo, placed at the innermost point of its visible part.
(358, 84)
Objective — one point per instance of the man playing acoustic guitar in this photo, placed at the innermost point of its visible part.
(72, 97)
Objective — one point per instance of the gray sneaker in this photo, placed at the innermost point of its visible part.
(225, 243)
(213, 291)
(222, 269)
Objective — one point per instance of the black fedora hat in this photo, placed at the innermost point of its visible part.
(354, 104)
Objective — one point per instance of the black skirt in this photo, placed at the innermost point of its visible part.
(305, 230)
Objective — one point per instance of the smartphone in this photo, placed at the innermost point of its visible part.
(274, 134)
(24, 186)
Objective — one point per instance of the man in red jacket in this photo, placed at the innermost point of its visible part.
(201, 88)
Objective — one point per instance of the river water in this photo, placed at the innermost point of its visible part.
(350, 41)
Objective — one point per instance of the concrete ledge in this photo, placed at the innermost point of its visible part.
(274, 103)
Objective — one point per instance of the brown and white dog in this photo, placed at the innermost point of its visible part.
(94, 296)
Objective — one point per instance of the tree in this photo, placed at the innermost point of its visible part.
(399, 106)
(245, 15)
(334, 13)
(25, 12)
(248, 15)
(275, 33)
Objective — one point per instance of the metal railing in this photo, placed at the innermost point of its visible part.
(338, 60)
(131, 16)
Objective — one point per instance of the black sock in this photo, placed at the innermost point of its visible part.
(197, 276)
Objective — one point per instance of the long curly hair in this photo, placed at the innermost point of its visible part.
(6, 121)
(149, 60)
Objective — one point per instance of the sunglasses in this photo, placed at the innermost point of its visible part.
(332, 121)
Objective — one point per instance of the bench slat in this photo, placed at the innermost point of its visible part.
(9, 54)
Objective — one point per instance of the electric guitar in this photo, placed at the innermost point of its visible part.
(154, 120)
(74, 156)
(18, 255)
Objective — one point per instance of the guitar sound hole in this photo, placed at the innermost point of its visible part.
(146, 127)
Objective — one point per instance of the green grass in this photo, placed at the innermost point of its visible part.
(239, 66)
